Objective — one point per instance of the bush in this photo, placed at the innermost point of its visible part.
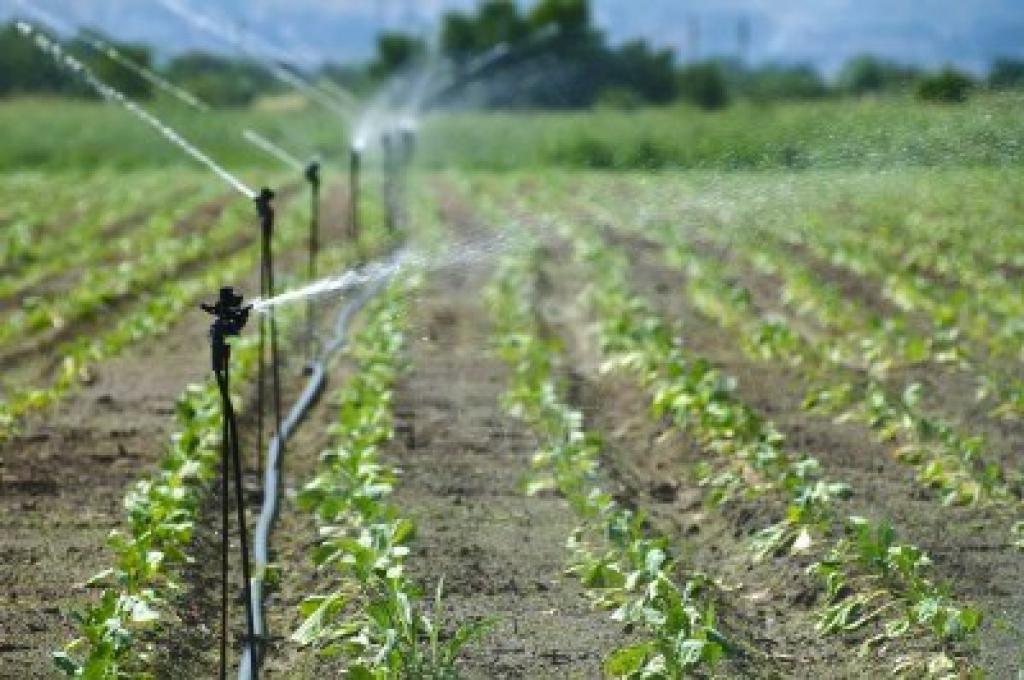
(619, 98)
(778, 83)
(948, 86)
(585, 152)
(704, 85)
(1006, 74)
(866, 74)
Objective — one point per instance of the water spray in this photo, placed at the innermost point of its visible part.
(339, 106)
(50, 47)
(230, 317)
(494, 58)
(453, 255)
(103, 47)
(265, 145)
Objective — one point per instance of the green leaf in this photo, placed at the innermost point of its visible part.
(691, 652)
(627, 661)
(316, 622)
(65, 663)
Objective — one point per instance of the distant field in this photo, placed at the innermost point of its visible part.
(889, 132)
(89, 135)
(843, 133)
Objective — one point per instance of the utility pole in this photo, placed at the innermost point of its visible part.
(743, 39)
(693, 25)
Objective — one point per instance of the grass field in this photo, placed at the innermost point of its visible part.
(738, 395)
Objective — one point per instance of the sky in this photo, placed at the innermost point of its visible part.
(968, 33)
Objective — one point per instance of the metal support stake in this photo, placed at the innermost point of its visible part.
(354, 170)
(389, 166)
(230, 318)
(265, 209)
(313, 177)
(403, 166)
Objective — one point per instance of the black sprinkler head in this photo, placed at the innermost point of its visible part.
(230, 318)
(313, 173)
(229, 313)
(263, 201)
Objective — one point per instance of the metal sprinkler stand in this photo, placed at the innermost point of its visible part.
(265, 210)
(354, 169)
(230, 318)
(387, 144)
(408, 145)
(407, 137)
(313, 177)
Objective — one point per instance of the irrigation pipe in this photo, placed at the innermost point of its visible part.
(251, 658)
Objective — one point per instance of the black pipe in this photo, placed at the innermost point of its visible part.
(268, 515)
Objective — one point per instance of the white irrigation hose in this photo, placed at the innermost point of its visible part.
(251, 660)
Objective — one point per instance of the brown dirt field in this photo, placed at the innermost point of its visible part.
(500, 553)
(63, 485)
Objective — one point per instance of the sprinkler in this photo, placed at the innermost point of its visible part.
(230, 317)
(354, 170)
(268, 323)
(408, 137)
(313, 177)
(311, 173)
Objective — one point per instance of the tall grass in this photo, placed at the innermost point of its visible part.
(62, 134)
(888, 132)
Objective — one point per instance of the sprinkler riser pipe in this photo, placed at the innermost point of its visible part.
(355, 182)
(390, 167)
(313, 177)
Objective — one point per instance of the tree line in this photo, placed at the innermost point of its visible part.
(550, 55)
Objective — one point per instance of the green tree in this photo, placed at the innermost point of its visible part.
(571, 16)
(109, 71)
(395, 51)
(948, 86)
(775, 82)
(704, 84)
(458, 35)
(650, 73)
(499, 21)
(1006, 74)
(221, 81)
(23, 68)
(865, 74)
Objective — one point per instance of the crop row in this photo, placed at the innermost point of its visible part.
(624, 566)
(100, 237)
(163, 510)
(161, 253)
(867, 575)
(37, 210)
(374, 617)
(850, 365)
(945, 457)
(154, 315)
